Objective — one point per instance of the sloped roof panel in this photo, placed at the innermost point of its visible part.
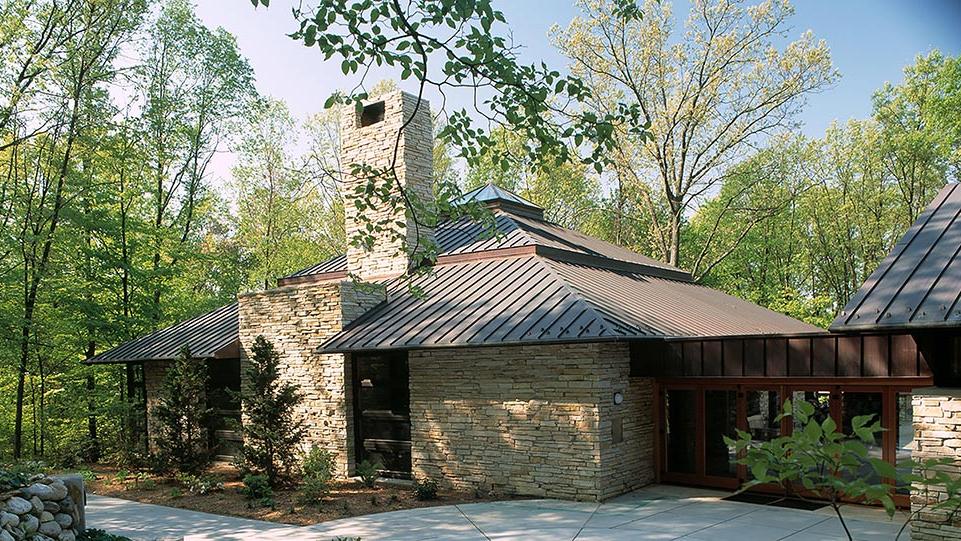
(919, 283)
(539, 300)
(205, 334)
(465, 236)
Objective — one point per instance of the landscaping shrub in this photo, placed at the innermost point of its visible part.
(318, 470)
(313, 490)
(182, 415)
(199, 485)
(257, 487)
(368, 472)
(425, 489)
(94, 534)
(319, 463)
(272, 432)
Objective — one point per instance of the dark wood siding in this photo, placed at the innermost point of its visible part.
(819, 356)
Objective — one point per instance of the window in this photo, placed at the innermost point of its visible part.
(855, 404)
(904, 434)
(372, 114)
(681, 414)
(720, 419)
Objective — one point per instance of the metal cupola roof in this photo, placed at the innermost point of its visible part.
(494, 196)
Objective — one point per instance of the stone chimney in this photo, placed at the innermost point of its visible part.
(368, 137)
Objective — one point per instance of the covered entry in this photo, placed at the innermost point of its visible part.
(382, 411)
(709, 388)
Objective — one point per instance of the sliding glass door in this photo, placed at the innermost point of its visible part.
(695, 416)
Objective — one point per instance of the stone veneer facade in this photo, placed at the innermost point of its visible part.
(937, 428)
(153, 376)
(297, 319)
(373, 146)
(531, 420)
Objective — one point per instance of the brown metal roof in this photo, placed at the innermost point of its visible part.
(534, 299)
(206, 335)
(513, 230)
(919, 283)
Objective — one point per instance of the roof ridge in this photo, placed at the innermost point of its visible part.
(581, 298)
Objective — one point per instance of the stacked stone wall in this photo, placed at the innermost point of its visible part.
(47, 508)
(937, 428)
(530, 420)
(153, 375)
(373, 146)
(297, 320)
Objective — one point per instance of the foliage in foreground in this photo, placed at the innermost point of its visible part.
(272, 430)
(818, 462)
(95, 534)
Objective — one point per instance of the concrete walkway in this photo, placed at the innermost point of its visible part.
(654, 513)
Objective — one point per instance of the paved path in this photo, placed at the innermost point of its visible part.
(655, 513)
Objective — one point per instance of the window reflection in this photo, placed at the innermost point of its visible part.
(821, 400)
(720, 419)
(905, 437)
(680, 407)
(763, 407)
(857, 404)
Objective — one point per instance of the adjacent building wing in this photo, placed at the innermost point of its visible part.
(918, 285)
(212, 335)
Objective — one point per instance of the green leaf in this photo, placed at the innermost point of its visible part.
(884, 469)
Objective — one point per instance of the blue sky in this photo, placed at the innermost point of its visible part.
(871, 41)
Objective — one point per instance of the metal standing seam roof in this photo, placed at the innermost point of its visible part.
(465, 236)
(535, 299)
(919, 283)
(492, 192)
(205, 334)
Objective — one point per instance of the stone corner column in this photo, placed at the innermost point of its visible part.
(937, 431)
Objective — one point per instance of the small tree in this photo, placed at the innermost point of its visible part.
(272, 431)
(818, 461)
(183, 418)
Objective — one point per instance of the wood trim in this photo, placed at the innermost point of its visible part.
(499, 253)
(823, 383)
(889, 389)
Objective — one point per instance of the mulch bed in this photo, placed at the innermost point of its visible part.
(346, 498)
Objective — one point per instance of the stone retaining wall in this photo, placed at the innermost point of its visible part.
(937, 427)
(531, 420)
(48, 508)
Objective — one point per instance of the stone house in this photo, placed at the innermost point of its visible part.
(541, 361)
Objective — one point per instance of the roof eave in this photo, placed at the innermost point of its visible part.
(513, 343)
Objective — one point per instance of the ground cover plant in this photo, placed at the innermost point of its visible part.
(343, 498)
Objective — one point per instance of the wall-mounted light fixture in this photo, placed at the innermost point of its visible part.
(618, 399)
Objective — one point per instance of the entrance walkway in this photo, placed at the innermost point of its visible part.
(654, 513)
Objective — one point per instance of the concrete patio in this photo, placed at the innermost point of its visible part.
(654, 513)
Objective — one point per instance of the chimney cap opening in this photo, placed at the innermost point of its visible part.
(372, 114)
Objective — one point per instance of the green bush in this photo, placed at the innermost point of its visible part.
(319, 464)
(10, 480)
(313, 490)
(93, 534)
(199, 485)
(272, 431)
(369, 472)
(318, 470)
(182, 415)
(257, 487)
(425, 489)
